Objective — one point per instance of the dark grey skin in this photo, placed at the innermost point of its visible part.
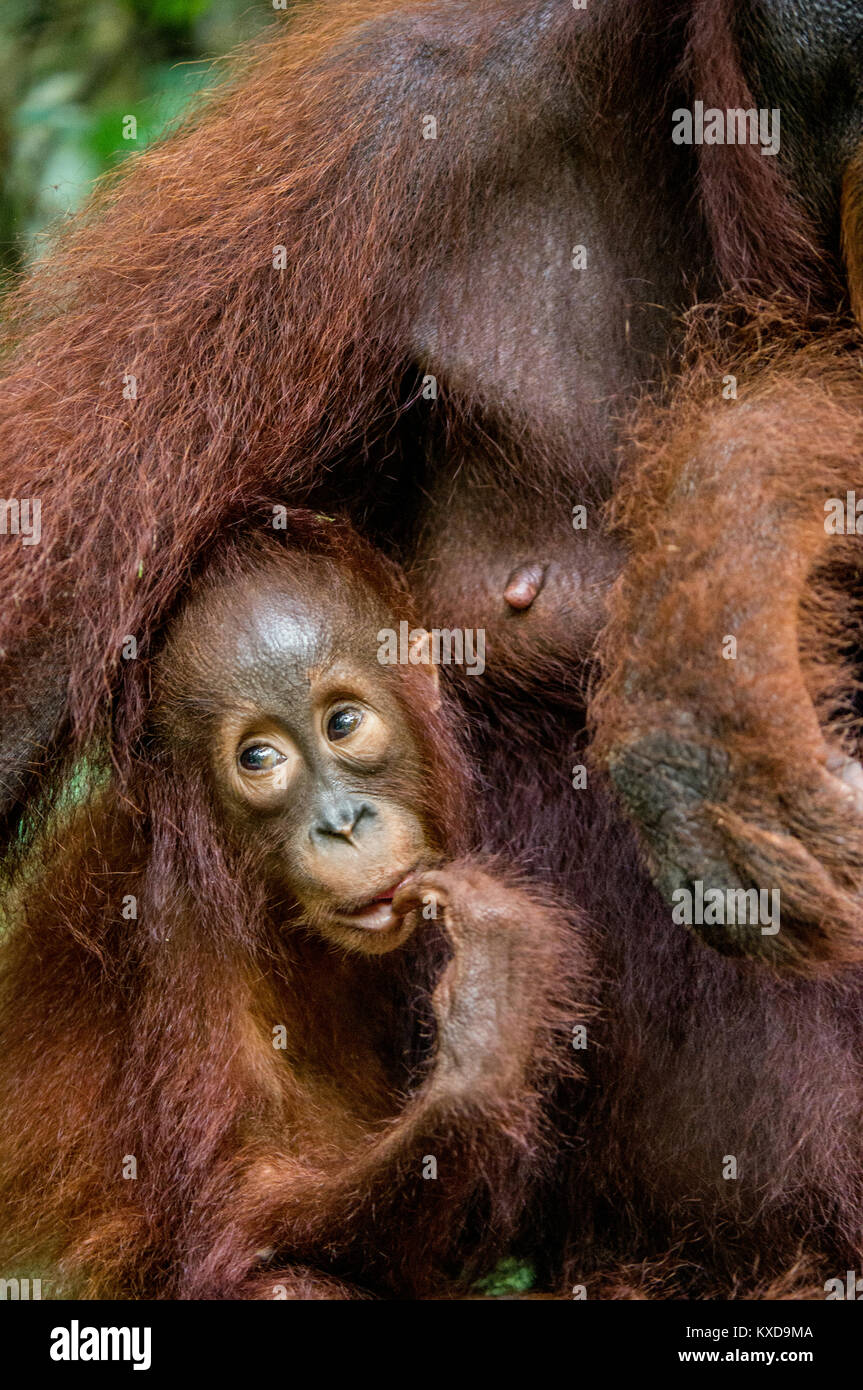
(309, 754)
(570, 351)
(807, 59)
(511, 323)
(695, 1057)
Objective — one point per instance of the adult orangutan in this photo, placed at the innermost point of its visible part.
(421, 265)
(260, 943)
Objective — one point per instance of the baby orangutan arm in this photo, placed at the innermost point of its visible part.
(329, 1061)
(502, 1019)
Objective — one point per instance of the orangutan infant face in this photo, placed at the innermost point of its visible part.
(313, 761)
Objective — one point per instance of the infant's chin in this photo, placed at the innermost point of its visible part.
(369, 932)
(365, 926)
(371, 928)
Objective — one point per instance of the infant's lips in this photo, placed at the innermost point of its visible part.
(377, 915)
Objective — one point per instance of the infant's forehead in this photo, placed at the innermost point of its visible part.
(266, 633)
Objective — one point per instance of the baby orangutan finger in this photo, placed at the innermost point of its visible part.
(424, 893)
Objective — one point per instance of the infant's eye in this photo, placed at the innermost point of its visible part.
(260, 757)
(343, 723)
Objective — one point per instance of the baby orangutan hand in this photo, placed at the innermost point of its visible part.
(487, 1002)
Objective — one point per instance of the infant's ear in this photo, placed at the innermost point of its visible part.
(420, 654)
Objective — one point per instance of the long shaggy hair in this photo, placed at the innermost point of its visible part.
(233, 319)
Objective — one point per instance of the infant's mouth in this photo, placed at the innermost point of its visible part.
(377, 913)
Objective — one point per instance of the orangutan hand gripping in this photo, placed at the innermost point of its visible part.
(486, 992)
(281, 1209)
(731, 642)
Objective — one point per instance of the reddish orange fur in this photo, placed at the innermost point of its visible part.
(299, 385)
(152, 1036)
(723, 516)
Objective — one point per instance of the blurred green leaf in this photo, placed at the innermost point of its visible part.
(171, 12)
(508, 1277)
(71, 72)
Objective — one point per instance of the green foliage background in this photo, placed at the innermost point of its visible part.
(70, 70)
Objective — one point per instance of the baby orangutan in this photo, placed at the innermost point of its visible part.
(320, 1039)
